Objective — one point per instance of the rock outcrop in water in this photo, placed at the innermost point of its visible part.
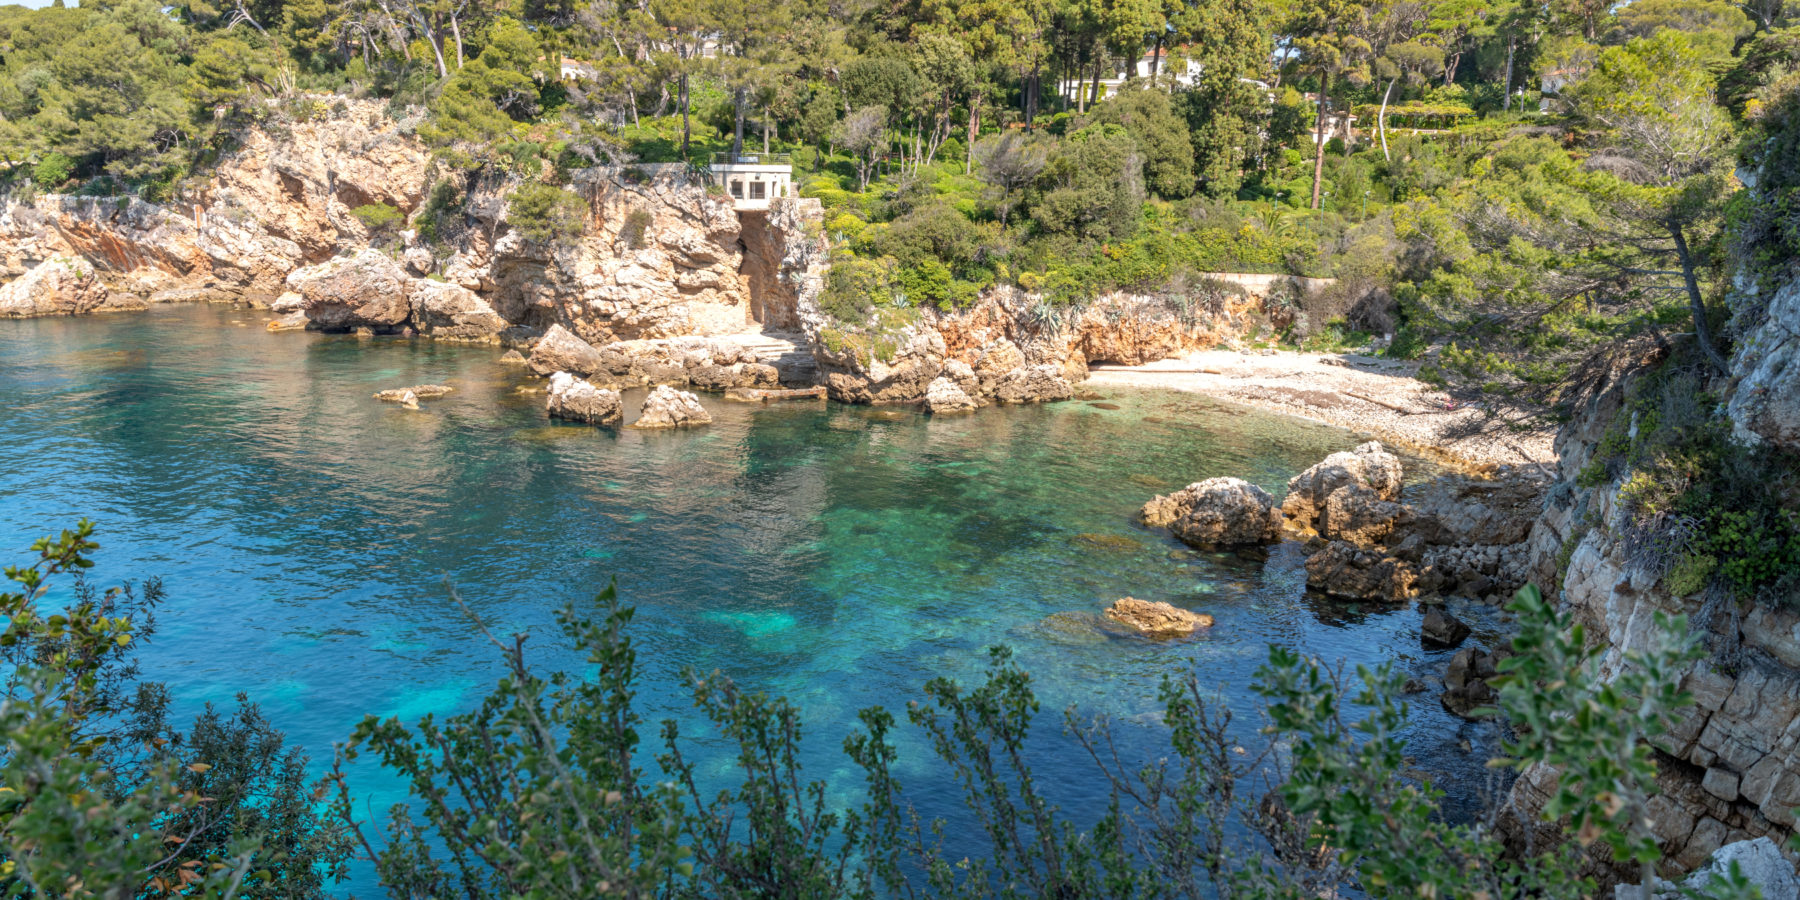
(944, 395)
(574, 400)
(1155, 618)
(1367, 476)
(1217, 512)
(667, 407)
(59, 287)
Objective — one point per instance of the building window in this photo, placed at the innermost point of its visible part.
(756, 190)
(737, 188)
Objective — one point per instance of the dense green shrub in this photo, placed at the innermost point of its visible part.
(53, 170)
(546, 213)
(100, 796)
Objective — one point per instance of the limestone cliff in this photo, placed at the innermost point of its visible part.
(658, 254)
(1731, 769)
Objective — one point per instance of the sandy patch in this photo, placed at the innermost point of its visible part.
(1380, 397)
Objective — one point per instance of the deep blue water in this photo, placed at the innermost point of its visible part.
(838, 555)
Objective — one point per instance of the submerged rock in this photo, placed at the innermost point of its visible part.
(294, 321)
(946, 396)
(559, 350)
(1369, 466)
(574, 400)
(667, 407)
(1155, 618)
(417, 392)
(1217, 512)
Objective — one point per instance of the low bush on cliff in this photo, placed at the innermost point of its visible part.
(545, 213)
(544, 784)
(1706, 512)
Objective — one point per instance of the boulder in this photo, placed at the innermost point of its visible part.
(1369, 465)
(367, 290)
(559, 350)
(55, 287)
(1442, 629)
(1759, 861)
(1217, 512)
(451, 312)
(667, 407)
(946, 396)
(1157, 619)
(1344, 570)
(999, 359)
(1033, 384)
(574, 400)
(1356, 513)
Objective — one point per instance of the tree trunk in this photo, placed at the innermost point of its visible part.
(1506, 84)
(456, 33)
(1080, 95)
(768, 122)
(1155, 57)
(738, 98)
(1319, 141)
(1702, 331)
(974, 128)
(1099, 60)
(686, 131)
(1381, 118)
(1031, 97)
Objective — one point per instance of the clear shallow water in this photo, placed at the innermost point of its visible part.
(838, 555)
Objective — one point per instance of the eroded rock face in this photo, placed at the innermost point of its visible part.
(1369, 466)
(560, 351)
(574, 400)
(1217, 512)
(57, 287)
(946, 396)
(1155, 618)
(367, 290)
(667, 407)
(1765, 405)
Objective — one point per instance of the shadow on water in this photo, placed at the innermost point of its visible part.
(841, 556)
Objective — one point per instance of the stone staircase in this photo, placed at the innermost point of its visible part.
(787, 352)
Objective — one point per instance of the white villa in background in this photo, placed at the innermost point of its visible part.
(753, 180)
(1185, 73)
(1170, 73)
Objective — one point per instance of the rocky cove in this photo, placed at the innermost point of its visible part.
(668, 289)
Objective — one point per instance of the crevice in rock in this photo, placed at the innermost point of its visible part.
(773, 304)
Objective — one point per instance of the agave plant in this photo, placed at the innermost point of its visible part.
(1045, 316)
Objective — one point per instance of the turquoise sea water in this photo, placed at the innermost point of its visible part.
(838, 555)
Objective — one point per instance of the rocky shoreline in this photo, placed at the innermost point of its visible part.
(667, 286)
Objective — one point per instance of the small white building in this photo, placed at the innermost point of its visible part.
(753, 180)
